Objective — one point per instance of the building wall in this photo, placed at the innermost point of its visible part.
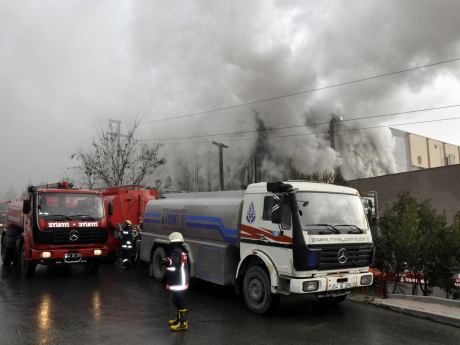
(401, 151)
(418, 152)
(441, 185)
(452, 154)
(436, 153)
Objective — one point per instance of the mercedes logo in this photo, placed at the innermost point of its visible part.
(73, 235)
(342, 256)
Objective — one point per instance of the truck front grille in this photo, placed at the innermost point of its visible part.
(356, 256)
(85, 236)
(80, 236)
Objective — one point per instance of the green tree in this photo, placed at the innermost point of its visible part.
(397, 245)
(415, 238)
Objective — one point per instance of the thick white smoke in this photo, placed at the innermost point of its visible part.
(222, 54)
(67, 66)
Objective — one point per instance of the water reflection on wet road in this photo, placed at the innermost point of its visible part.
(67, 306)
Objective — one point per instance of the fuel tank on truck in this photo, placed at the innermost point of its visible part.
(208, 216)
(209, 222)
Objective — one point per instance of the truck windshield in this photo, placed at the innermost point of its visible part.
(329, 213)
(67, 206)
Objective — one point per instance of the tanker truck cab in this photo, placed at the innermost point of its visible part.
(58, 225)
(271, 239)
(315, 236)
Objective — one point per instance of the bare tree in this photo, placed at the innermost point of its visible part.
(115, 159)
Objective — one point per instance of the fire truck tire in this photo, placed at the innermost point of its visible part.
(332, 300)
(92, 265)
(7, 253)
(257, 291)
(156, 269)
(27, 267)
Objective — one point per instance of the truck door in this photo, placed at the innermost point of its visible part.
(276, 238)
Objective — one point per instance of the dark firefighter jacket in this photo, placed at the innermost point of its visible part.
(177, 271)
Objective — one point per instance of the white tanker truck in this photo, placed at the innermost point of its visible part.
(272, 239)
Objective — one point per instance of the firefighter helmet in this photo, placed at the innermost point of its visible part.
(128, 222)
(176, 237)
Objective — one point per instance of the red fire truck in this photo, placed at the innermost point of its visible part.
(127, 203)
(55, 224)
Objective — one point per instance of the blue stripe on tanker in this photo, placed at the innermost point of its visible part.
(196, 222)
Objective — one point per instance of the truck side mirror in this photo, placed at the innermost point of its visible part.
(26, 207)
(110, 208)
(277, 210)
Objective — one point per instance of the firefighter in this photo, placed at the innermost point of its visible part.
(177, 280)
(124, 233)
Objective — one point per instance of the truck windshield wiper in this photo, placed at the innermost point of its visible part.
(63, 216)
(81, 216)
(356, 230)
(329, 226)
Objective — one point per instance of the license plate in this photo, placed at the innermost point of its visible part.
(72, 256)
(340, 286)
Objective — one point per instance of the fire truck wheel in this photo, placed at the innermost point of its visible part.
(156, 269)
(257, 291)
(7, 253)
(332, 300)
(92, 265)
(27, 267)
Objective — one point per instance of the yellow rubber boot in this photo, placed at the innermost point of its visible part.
(182, 325)
(174, 321)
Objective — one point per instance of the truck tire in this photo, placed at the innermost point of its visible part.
(27, 267)
(156, 269)
(92, 265)
(257, 291)
(7, 253)
(332, 300)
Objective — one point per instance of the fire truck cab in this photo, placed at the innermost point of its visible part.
(55, 224)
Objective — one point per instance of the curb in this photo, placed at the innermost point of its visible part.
(416, 313)
(421, 314)
(428, 299)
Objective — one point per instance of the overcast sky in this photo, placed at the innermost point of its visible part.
(66, 67)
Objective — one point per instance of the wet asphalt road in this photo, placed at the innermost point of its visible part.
(125, 307)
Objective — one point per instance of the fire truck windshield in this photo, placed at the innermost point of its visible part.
(331, 213)
(66, 206)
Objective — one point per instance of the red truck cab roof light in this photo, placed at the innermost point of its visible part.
(65, 185)
(58, 185)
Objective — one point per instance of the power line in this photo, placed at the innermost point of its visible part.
(317, 133)
(308, 125)
(301, 92)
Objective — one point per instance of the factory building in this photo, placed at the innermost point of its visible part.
(416, 152)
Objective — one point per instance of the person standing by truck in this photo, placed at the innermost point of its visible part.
(177, 280)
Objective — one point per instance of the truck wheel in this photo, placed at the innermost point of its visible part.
(92, 265)
(332, 300)
(27, 267)
(257, 291)
(156, 269)
(7, 253)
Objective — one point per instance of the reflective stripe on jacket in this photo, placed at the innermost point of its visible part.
(177, 271)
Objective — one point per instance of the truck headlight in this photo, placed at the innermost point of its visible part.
(97, 252)
(46, 255)
(366, 280)
(310, 286)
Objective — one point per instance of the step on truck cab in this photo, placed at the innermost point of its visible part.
(272, 239)
(55, 224)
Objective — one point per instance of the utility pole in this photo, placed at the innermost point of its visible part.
(333, 132)
(117, 133)
(221, 147)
